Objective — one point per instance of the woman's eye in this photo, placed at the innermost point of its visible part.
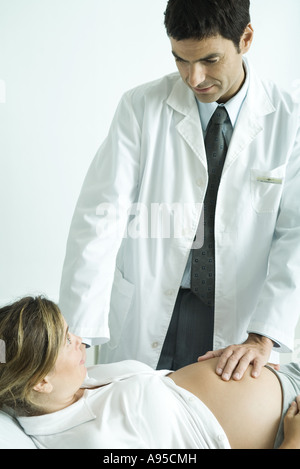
(69, 342)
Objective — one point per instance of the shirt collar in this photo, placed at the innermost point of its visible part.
(233, 106)
(60, 421)
(80, 412)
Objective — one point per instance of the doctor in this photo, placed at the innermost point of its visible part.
(128, 275)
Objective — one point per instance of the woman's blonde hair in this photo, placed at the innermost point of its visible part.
(32, 330)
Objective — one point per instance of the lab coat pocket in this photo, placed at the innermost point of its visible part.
(121, 299)
(266, 189)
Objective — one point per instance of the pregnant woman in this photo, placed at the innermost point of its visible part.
(61, 404)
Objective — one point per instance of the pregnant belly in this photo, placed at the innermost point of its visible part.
(248, 410)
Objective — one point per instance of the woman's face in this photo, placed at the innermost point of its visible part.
(69, 371)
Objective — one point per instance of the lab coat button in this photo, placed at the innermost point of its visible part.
(170, 292)
(155, 344)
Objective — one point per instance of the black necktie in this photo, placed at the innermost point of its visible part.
(203, 259)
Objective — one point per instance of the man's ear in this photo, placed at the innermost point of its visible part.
(44, 387)
(246, 39)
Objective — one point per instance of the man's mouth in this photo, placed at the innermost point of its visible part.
(203, 90)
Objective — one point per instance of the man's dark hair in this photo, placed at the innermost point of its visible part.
(200, 19)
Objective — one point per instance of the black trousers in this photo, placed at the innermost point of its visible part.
(190, 332)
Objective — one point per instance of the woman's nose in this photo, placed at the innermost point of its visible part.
(78, 341)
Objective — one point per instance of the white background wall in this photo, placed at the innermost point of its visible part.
(64, 65)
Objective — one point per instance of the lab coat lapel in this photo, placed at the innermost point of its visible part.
(257, 104)
(249, 124)
(182, 100)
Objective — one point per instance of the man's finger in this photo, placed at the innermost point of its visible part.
(237, 365)
(210, 354)
(272, 365)
(228, 362)
(242, 366)
(257, 367)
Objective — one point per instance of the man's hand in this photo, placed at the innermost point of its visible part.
(235, 359)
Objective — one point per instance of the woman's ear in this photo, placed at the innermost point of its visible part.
(44, 387)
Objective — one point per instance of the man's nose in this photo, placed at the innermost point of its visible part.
(197, 75)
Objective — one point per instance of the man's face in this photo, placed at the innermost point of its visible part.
(212, 67)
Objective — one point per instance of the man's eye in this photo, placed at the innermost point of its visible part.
(212, 61)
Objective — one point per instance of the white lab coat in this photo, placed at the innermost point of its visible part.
(120, 282)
